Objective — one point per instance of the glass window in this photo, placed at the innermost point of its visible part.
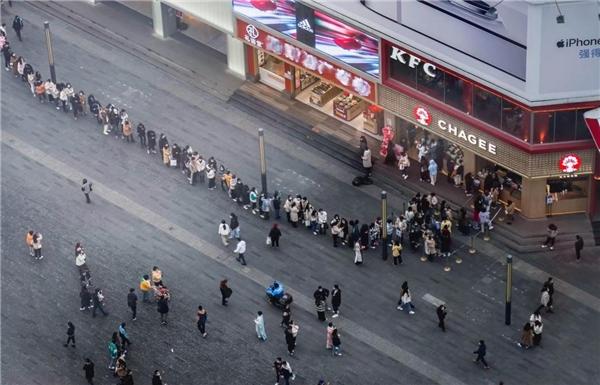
(458, 93)
(486, 106)
(516, 121)
(568, 188)
(564, 126)
(432, 86)
(403, 73)
(582, 132)
(543, 127)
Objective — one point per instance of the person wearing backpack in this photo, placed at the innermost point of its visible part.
(18, 26)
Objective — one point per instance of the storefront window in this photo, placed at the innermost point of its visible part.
(568, 188)
(458, 93)
(432, 86)
(543, 127)
(486, 106)
(516, 121)
(564, 126)
(582, 132)
(403, 73)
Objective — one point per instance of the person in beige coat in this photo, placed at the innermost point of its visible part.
(166, 154)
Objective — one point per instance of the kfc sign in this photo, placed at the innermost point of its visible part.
(279, 47)
(412, 61)
(569, 163)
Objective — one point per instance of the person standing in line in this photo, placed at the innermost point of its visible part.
(141, 133)
(86, 187)
(234, 226)
(156, 378)
(481, 351)
(211, 176)
(336, 300)
(225, 292)
(526, 336)
(321, 305)
(151, 141)
(132, 303)
(37, 246)
(88, 368)
(163, 308)
(70, 334)
(286, 372)
(337, 343)
(397, 252)
(86, 298)
(98, 300)
(240, 249)
(18, 25)
(275, 234)
(124, 337)
(405, 299)
(224, 232)
(29, 241)
(145, 288)
(538, 327)
(259, 323)
(441, 314)
(433, 171)
(578, 246)
(328, 340)
(202, 316)
(551, 237)
(277, 368)
(277, 205)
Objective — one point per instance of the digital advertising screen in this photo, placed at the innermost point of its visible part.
(346, 43)
(279, 15)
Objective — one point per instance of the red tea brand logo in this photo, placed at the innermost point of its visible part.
(413, 61)
(251, 36)
(422, 115)
(569, 163)
(305, 25)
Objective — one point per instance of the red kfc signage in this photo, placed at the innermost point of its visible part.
(310, 62)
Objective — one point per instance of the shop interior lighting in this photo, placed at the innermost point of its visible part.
(560, 19)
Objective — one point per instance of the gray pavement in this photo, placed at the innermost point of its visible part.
(50, 149)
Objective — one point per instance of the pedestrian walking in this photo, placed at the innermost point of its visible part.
(481, 351)
(441, 314)
(202, 316)
(287, 373)
(545, 300)
(156, 378)
(578, 246)
(88, 368)
(277, 365)
(240, 249)
(536, 316)
(124, 336)
(290, 338)
(259, 324)
(86, 187)
(367, 163)
(113, 353)
(549, 285)
(328, 339)
(234, 225)
(163, 308)
(224, 232)
(18, 25)
(405, 300)
(225, 292)
(274, 235)
(538, 327)
(29, 241)
(337, 343)
(37, 246)
(397, 252)
(145, 288)
(552, 232)
(70, 334)
(336, 300)
(358, 259)
(433, 171)
(526, 336)
(98, 300)
(86, 298)
(132, 303)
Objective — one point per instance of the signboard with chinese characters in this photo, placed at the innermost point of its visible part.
(286, 51)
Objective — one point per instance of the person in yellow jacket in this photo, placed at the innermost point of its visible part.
(145, 288)
(397, 252)
(166, 154)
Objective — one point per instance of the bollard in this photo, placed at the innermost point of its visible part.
(472, 247)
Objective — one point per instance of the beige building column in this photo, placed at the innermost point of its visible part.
(236, 62)
(164, 19)
(533, 198)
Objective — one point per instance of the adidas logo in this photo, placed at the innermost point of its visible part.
(305, 25)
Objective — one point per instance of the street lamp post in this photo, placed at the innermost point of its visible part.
(263, 160)
(384, 233)
(507, 309)
(50, 51)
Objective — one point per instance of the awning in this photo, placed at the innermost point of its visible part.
(592, 119)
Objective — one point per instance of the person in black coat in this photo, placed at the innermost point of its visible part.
(275, 234)
(162, 141)
(336, 300)
(151, 141)
(481, 351)
(141, 133)
(441, 314)
(18, 26)
(276, 203)
(70, 334)
(156, 378)
(7, 54)
(225, 292)
(88, 368)
(290, 340)
(578, 246)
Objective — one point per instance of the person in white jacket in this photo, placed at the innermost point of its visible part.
(322, 221)
(240, 249)
(224, 231)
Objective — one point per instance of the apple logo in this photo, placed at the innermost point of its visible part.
(560, 43)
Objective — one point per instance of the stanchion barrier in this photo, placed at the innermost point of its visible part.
(472, 246)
